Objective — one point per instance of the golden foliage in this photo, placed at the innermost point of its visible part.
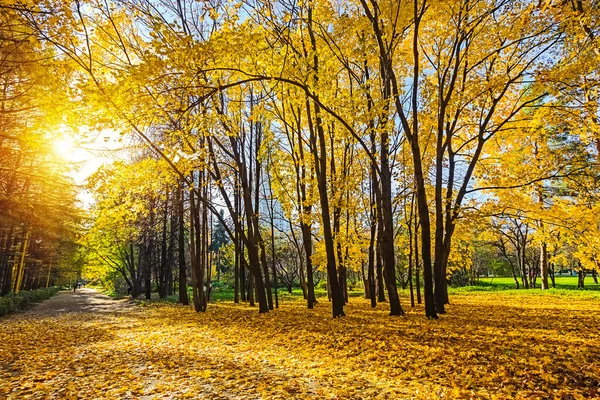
(501, 346)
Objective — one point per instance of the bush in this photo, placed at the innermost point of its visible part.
(14, 302)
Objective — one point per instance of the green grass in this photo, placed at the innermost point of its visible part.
(113, 294)
(565, 286)
(23, 300)
(227, 294)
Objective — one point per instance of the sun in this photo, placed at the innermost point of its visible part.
(64, 148)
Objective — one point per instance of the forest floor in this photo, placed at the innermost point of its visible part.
(488, 345)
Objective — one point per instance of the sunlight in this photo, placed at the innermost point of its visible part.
(86, 151)
(64, 148)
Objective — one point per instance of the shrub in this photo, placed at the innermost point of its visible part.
(322, 285)
(14, 302)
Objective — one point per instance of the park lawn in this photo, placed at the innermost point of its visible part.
(489, 345)
(564, 284)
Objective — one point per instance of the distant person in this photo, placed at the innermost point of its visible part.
(75, 287)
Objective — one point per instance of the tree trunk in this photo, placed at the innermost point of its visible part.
(514, 275)
(273, 269)
(236, 244)
(163, 274)
(544, 265)
(379, 266)
(307, 244)
(320, 153)
(250, 288)
(417, 263)
(423, 214)
(580, 276)
(149, 254)
(205, 262)
(183, 296)
(410, 265)
(7, 255)
(243, 275)
(267, 281)
(371, 266)
(21, 264)
(387, 239)
(523, 266)
(236, 271)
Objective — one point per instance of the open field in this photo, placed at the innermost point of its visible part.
(489, 345)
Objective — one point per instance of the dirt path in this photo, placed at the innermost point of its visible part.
(69, 346)
(84, 300)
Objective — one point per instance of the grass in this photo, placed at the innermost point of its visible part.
(25, 299)
(220, 294)
(565, 286)
(562, 282)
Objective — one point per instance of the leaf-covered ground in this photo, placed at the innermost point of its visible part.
(488, 346)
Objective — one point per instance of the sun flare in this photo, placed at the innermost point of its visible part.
(63, 148)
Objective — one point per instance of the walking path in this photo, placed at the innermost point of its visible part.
(62, 347)
(82, 301)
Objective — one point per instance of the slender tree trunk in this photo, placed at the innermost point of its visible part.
(183, 296)
(371, 266)
(204, 261)
(251, 289)
(307, 244)
(514, 275)
(266, 284)
(196, 252)
(302, 279)
(237, 250)
(524, 274)
(267, 280)
(163, 266)
(544, 265)
(379, 266)
(273, 269)
(387, 239)
(21, 265)
(22, 257)
(342, 277)
(365, 281)
(243, 274)
(410, 264)
(149, 254)
(7, 275)
(417, 263)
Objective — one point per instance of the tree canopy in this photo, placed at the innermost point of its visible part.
(391, 143)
